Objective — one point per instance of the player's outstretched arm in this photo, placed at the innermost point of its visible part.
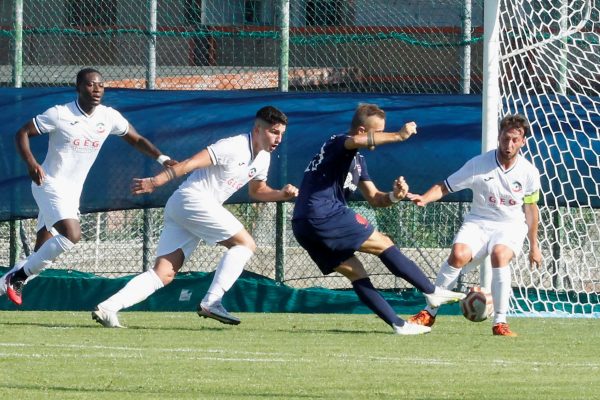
(147, 185)
(35, 170)
(145, 146)
(434, 193)
(260, 191)
(371, 140)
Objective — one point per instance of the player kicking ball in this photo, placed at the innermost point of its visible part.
(195, 212)
(331, 232)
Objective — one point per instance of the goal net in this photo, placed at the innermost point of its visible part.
(550, 71)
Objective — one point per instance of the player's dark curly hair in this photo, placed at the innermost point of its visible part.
(518, 121)
(364, 111)
(272, 115)
(82, 73)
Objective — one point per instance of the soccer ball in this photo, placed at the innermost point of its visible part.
(477, 306)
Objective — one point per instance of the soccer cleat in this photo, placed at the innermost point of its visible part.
(442, 296)
(423, 317)
(106, 318)
(218, 312)
(502, 329)
(14, 288)
(411, 329)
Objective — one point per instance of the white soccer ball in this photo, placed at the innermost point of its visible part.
(477, 306)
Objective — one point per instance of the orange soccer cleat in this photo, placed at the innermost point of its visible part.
(502, 329)
(423, 317)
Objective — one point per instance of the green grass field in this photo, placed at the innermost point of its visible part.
(65, 355)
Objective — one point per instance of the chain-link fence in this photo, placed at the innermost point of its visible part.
(419, 46)
(123, 242)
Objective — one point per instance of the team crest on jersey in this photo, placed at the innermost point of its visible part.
(516, 186)
(100, 128)
(361, 220)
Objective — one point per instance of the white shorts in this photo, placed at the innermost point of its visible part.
(54, 205)
(189, 219)
(482, 236)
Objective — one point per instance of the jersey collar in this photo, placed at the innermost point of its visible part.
(83, 112)
(250, 146)
(506, 171)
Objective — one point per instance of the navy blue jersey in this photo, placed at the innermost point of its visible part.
(330, 179)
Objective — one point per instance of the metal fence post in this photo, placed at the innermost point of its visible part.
(281, 210)
(150, 85)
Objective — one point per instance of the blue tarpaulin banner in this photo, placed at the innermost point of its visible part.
(182, 123)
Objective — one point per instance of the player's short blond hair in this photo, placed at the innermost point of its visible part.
(363, 112)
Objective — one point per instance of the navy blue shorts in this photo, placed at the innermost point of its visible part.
(331, 241)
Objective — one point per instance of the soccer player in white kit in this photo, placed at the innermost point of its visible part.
(195, 212)
(76, 132)
(503, 212)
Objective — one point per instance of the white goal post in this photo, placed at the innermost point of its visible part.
(542, 59)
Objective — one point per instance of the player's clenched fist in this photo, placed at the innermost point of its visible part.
(409, 129)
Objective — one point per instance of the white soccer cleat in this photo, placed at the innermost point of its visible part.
(442, 296)
(106, 318)
(411, 329)
(217, 312)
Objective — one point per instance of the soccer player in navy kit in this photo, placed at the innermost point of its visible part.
(331, 232)
(504, 211)
(76, 133)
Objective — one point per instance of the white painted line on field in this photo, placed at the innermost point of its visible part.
(192, 353)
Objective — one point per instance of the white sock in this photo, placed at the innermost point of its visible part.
(446, 279)
(501, 291)
(228, 271)
(137, 290)
(46, 254)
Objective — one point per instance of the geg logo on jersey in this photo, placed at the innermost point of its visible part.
(85, 145)
(501, 201)
(251, 172)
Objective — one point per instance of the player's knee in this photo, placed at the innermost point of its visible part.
(501, 255)
(459, 257)
(74, 237)
(250, 244)
(167, 277)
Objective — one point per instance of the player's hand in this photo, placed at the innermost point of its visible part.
(400, 188)
(289, 192)
(36, 172)
(170, 163)
(141, 186)
(409, 129)
(535, 257)
(416, 199)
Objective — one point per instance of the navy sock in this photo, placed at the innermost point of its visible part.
(405, 268)
(373, 299)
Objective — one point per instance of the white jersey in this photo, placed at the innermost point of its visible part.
(74, 141)
(233, 167)
(497, 193)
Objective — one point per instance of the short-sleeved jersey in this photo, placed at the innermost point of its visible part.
(75, 138)
(330, 179)
(233, 167)
(498, 194)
